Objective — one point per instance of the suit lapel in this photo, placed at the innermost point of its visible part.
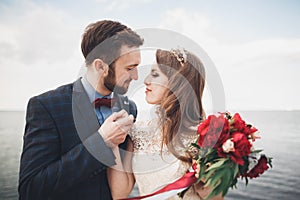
(85, 119)
(122, 103)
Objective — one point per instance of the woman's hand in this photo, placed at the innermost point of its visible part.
(200, 189)
(197, 168)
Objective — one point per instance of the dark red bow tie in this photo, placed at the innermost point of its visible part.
(108, 102)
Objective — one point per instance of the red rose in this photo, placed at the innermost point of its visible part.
(242, 148)
(249, 130)
(258, 169)
(213, 131)
(238, 124)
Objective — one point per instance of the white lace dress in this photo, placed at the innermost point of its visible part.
(152, 168)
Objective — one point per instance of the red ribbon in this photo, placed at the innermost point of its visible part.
(186, 180)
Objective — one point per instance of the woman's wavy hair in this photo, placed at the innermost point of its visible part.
(181, 106)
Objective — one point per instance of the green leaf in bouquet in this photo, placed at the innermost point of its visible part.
(211, 156)
(202, 170)
(235, 174)
(216, 187)
(204, 152)
(226, 181)
(216, 178)
(195, 145)
(243, 168)
(269, 161)
(218, 164)
(210, 151)
(228, 115)
(207, 183)
(257, 151)
(226, 176)
(209, 174)
(223, 179)
(208, 177)
(233, 184)
(236, 170)
(247, 181)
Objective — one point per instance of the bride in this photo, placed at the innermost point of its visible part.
(155, 156)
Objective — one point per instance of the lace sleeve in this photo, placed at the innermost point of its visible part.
(186, 139)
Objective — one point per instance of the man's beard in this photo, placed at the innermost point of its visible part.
(115, 88)
(110, 84)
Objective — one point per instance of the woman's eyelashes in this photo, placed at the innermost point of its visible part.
(154, 74)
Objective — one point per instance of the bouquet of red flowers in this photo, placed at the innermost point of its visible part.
(225, 152)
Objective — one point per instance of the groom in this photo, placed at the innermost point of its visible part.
(70, 130)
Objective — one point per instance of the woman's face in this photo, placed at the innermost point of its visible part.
(156, 85)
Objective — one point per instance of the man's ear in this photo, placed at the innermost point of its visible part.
(98, 65)
(105, 69)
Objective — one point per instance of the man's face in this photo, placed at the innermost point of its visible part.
(125, 69)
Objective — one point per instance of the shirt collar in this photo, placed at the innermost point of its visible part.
(91, 92)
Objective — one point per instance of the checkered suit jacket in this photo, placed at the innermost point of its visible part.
(64, 157)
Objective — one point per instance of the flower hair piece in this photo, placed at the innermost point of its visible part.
(180, 55)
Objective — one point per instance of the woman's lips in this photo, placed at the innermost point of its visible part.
(148, 90)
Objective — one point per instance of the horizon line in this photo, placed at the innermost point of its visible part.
(287, 110)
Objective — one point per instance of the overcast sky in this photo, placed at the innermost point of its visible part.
(255, 45)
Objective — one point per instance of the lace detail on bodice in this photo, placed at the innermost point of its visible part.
(153, 167)
(146, 137)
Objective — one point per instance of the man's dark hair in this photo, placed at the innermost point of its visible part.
(104, 39)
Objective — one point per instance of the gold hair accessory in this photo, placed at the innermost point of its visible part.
(180, 55)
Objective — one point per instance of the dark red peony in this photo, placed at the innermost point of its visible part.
(242, 147)
(239, 125)
(249, 130)
(213, 131)
(259, 168)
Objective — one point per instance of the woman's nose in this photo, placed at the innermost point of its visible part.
(147, 80)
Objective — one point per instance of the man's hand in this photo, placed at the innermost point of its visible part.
(115, 128)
